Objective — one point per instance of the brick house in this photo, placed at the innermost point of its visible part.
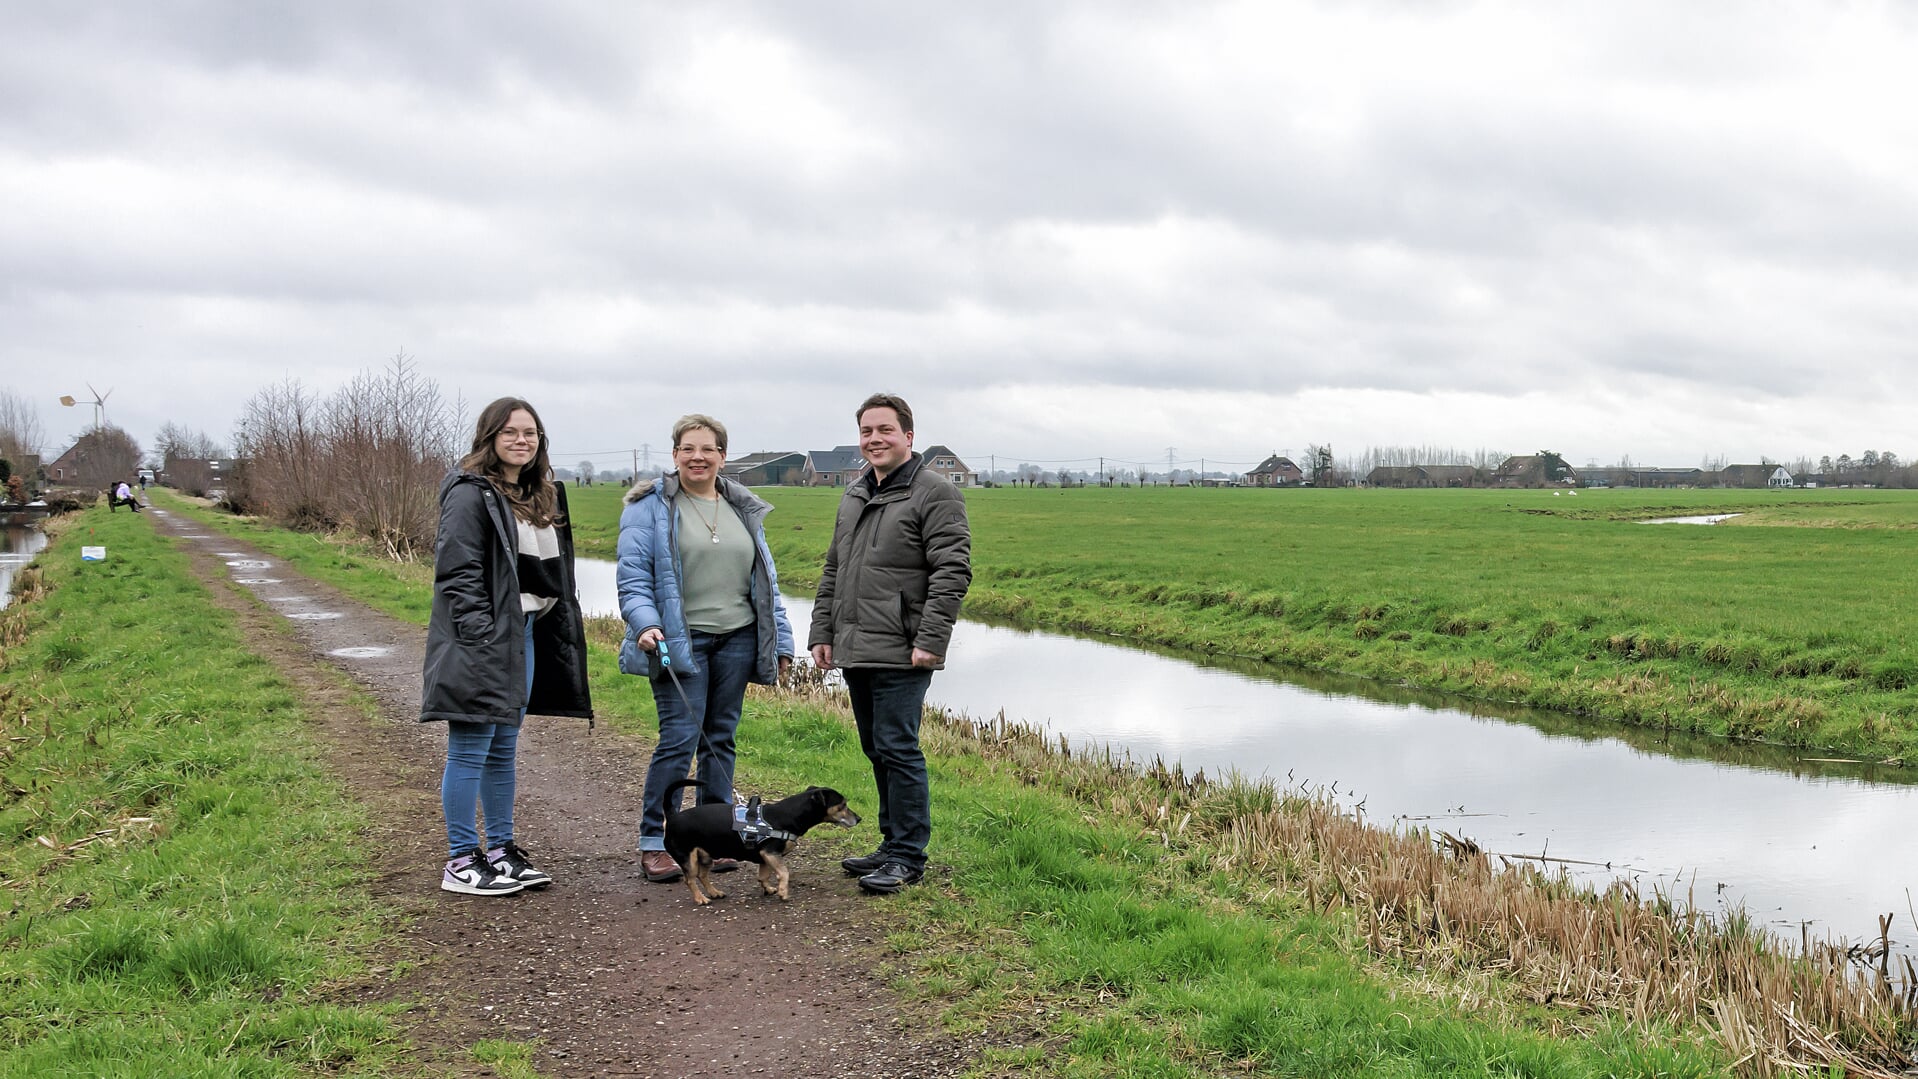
(947, 464)
(1275, 471)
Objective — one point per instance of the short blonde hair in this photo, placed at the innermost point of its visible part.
(693, 421)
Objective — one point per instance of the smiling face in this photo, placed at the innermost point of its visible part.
(882, 441)
(518, 442)
(699, 458)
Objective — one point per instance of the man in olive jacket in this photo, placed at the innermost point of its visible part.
(895, 575)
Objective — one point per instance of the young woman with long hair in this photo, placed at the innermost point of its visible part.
(506, 638)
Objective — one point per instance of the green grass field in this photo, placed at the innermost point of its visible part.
(182, 876)
(1111, 951)
(1793, 623)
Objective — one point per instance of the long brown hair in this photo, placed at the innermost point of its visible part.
(534, 498)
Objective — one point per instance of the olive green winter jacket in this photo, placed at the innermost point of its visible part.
(897, 570)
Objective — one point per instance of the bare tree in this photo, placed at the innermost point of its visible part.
(390, 440)
(20, 432)
(586, 473)
(177, 440)
(280, 442)
(369, 458)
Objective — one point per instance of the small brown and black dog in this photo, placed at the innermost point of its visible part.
(696, 836)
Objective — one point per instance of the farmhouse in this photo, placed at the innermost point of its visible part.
(779, 469)
(1423, 476)
(66, 467)
(1275, 471)
(1528, 471)
(835, 467)
(946, 463)
(1664, 477)
(1752, 476)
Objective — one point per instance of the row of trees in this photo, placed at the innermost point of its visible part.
(368, 458)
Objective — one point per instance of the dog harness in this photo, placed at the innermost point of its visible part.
(749, 820)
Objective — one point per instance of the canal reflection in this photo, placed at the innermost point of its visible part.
(1718, 822)
(18, 545)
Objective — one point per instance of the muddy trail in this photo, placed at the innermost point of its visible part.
(608, 974)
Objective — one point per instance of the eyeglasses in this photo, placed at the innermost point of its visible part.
(513, 434)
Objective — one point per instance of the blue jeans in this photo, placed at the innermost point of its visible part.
(481, 773)
(887, 705)
(704, 721)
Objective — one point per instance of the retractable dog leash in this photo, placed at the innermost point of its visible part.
(666, 664)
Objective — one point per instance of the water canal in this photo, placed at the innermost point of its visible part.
(1721, 823)
(18, 545)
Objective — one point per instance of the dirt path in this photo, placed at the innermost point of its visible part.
(612, 976)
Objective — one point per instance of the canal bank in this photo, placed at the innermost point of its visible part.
(1079, 864)
(1796, 843)
(19, 543)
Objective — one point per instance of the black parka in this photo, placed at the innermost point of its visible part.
(475, 666)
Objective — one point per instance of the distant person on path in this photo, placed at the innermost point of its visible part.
(123, 496)
(896, 573)
(695, 576)
(506, 638)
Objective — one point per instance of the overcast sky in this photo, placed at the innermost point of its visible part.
(1060, 230)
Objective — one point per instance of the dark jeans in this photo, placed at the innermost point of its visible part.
(716, 696)
(887, 704)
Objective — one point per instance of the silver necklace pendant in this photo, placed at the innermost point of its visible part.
(715, 537)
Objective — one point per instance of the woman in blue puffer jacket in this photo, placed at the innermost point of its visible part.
(696, 578)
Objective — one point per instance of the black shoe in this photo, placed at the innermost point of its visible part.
(891, 877)
(862, 864)
(511, 862)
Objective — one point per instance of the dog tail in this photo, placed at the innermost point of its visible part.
(672, 795)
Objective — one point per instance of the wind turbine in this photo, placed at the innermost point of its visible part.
(99, 404)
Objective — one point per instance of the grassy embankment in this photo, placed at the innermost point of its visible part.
(1793, 624)
(1123, 926)
(185, 893)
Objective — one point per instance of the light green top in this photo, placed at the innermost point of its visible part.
(716, 588)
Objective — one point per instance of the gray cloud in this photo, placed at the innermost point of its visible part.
(1378, 223)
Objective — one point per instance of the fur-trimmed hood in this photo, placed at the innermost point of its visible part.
(639, 490)
(738, 494)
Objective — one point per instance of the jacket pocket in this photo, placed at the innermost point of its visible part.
(473, 629)
(909, 619)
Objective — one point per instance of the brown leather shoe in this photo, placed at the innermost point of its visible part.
(658, 866)
(725, 865)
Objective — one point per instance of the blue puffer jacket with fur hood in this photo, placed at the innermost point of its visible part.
(649, 578)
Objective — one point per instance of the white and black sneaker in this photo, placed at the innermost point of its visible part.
(472, 874)
(511, 862)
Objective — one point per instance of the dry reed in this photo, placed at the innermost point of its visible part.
(1437, 902)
